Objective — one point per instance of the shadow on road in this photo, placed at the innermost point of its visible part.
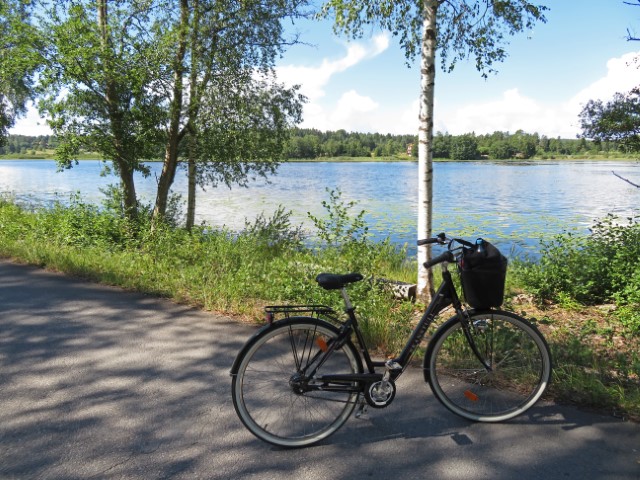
(101, 383)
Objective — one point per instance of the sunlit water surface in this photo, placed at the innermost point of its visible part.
(511, 204)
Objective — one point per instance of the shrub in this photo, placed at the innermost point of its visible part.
(596, 268)
(592, 269)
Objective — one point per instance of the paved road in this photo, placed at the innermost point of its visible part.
(96, 382)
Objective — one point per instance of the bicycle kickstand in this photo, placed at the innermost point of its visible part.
(363, 408)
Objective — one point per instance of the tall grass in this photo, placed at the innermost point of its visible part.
(236, 273)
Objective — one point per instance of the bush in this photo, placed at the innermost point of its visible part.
(593, 269)
(269, 261)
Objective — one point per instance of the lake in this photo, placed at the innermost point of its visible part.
(512, 204)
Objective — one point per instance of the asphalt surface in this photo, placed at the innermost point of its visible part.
(97, 382)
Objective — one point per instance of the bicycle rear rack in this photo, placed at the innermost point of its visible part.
(286, 311)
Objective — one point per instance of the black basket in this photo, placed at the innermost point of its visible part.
(483, 272)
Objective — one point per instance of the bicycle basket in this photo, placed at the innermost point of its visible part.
(483, 271)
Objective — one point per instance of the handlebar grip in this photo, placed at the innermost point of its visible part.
(444, 257)
(440, 238)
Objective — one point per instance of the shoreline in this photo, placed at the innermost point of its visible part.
(515, 161)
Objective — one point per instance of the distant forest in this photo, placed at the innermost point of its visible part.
(314, 144)
(311, 144)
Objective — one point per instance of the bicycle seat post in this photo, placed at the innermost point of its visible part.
(347, 300)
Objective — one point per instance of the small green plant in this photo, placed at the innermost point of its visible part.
(340, 228)
(629, 317)
(276, 231)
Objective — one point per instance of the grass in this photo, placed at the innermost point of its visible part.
(596, 358)
(344, 159)
(48, 154)
(596, 355)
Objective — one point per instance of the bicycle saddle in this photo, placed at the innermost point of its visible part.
(332, 281)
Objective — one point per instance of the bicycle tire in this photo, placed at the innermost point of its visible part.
(515, 350)
(265, 401)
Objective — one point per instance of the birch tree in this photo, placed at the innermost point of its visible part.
(98, 89)
(226, 94)
(135, 80)
(457, 30)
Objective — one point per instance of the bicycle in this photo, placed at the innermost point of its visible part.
(298, 379)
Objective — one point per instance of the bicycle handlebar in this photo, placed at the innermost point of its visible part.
(444, 257)
(448, 256)
(440, 238)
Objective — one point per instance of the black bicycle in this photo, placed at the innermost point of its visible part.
(298, 379)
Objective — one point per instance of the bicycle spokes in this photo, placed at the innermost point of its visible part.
(275, 392)
(518, 364)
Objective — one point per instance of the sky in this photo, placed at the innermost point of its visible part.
(581, 53)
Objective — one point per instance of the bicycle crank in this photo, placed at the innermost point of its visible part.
(380, 394)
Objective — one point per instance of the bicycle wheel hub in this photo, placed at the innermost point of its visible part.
(298, 384)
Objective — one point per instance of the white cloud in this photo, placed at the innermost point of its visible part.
(352, 110)
(511, 112)
(622, 75)
(514, 111)
(313, 81)
(395, 119)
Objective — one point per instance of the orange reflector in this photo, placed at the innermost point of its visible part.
(322, 344)
(471, 396)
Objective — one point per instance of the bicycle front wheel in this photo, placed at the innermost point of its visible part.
(513, 374)
(266, 390)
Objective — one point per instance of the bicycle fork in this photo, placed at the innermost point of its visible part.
(467, 326)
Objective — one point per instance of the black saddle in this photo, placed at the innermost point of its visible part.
(332, 281)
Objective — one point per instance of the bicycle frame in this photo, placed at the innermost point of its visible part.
(444, 297)
(296, 381)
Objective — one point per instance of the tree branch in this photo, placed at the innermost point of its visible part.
(628, 181)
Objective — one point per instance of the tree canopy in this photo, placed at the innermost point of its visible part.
(19, 60)
(617, 120)
(474, 29)
(138, 80)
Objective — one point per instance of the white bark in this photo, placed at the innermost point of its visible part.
(425, 145)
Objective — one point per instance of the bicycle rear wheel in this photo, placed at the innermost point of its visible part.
(516, 353)
(264, 390)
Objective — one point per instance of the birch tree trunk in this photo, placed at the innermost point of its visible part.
(124, 167)
(425, 145)
(191, 189)
(175, 131)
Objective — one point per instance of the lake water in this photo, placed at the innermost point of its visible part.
(512, 204)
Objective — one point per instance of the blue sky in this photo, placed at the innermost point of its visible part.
(581, 53)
